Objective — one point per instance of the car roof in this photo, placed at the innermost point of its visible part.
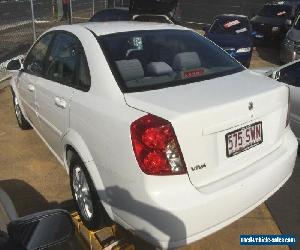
(105, 28)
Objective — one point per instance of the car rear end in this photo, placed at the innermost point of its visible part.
(208, 147)
(214, 176)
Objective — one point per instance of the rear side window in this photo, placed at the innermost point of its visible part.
(62, 60)
(34, 62)
(144, 60)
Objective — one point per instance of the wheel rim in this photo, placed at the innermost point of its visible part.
(82, 193)
(18, 110)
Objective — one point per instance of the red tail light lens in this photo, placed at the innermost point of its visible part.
(156, 147)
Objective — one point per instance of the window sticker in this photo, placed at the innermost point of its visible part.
(241, 30)
(193, 73)
(232, 23)
(281, 13)
(137, 43)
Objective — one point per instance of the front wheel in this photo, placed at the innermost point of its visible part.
(90, 209)
(22, 122)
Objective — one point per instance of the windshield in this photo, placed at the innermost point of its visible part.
(144, 60)
(279, 11)
(232, 26)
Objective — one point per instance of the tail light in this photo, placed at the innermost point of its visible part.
(289, 109)
(156, 147)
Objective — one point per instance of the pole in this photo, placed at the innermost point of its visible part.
(114, 3)
(93, 7)
(71, 13)
(33, 21)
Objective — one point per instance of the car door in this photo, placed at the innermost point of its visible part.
(33, 68)
(291, 76)
(55, 91)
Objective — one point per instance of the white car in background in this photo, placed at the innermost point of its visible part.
(158, 127)
(290, 75)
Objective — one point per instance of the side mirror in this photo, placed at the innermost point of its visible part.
(41, 230)
(276, 75)
(14, 65)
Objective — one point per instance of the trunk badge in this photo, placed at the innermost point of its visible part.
(250, 107)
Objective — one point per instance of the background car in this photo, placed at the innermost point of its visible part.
(271, 21)
(290, 49)
(115, 14)
(234, 34)
(290, 74)
(140, 10)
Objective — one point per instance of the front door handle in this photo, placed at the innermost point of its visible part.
(60, 102)
(31, 88)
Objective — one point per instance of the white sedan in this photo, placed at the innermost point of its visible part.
(159, 129)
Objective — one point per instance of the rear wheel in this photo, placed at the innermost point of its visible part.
(90, 209)
(22, 122)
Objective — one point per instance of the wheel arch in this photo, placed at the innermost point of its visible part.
(74, 144)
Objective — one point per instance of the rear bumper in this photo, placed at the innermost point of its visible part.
(180, 215)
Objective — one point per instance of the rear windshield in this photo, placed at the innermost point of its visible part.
(232, 26)
(144, 60)
(279, 11)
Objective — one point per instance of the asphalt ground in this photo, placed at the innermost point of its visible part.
(35, 181)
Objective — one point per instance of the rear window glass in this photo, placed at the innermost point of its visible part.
(279, 11)
(144, 60)
(233, 26)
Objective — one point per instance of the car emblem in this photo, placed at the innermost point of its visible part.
(250, 107)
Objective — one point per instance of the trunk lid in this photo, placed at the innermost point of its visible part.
(203, 113)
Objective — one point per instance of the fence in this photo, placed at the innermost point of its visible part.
(21, 21)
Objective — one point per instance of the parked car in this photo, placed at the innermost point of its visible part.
(290, 75)
(53, 228)
(115, 14)
(234, 34)
(139, 10)
(158, 128)
(273, 20)
(290, 49)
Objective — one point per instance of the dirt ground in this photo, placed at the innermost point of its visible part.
(35, 180)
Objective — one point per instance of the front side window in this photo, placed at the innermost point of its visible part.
(34, 62)
(143, 60)
(232, 26)
(62, 60)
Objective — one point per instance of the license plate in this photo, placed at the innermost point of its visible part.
(243, 139)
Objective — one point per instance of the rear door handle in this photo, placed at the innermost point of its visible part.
(31, 88)
(60, 102)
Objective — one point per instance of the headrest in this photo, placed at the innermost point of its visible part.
(158, 69)
(130, 69)
(186, 61)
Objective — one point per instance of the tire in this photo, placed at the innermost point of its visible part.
(91, 211)
(22, 122)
